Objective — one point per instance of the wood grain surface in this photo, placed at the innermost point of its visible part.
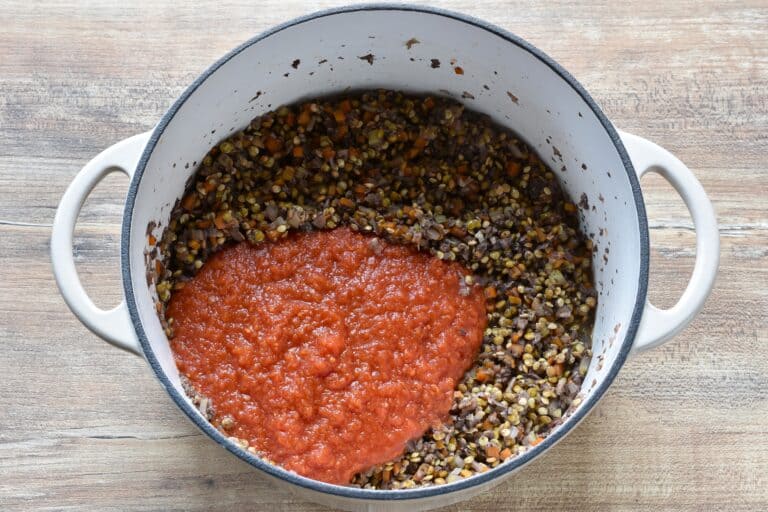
(86, 427)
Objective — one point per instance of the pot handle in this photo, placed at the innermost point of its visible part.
(659, 325)
(114, 325)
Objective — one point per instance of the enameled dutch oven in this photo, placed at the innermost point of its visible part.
(362, 47)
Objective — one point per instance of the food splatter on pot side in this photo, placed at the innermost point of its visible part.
(426, 173)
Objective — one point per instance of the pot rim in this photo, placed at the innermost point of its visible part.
(417, 492)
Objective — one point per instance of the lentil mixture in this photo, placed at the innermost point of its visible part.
(426, 173)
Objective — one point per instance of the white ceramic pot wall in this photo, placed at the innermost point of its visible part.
(364, 47)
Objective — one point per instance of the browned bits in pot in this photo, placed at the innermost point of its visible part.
(424, 172)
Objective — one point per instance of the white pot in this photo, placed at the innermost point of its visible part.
(505, 77)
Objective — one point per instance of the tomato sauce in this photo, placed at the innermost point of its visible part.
(330, 350)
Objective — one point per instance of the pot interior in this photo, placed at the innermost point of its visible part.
(414, 51)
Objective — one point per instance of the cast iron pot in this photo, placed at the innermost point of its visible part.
(363, 47)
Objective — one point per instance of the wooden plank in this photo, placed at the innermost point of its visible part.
(86, 427)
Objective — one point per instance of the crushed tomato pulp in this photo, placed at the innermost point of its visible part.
(330, 350)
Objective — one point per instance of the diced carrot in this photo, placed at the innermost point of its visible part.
(537, 441)
(341, 132)
(513, 169)
(272, 144)
(328, 153)
(345, 106)
(304, 118)
(189, 201)
(339, 116)
(505, 454)
(298, 152)
(151, 239)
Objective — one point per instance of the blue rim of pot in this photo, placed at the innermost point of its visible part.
(418, 492)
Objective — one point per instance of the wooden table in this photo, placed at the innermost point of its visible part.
(86, 427)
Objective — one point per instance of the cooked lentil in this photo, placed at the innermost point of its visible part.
(424, 172)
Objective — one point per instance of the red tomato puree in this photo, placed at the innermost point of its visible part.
(330, 350)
